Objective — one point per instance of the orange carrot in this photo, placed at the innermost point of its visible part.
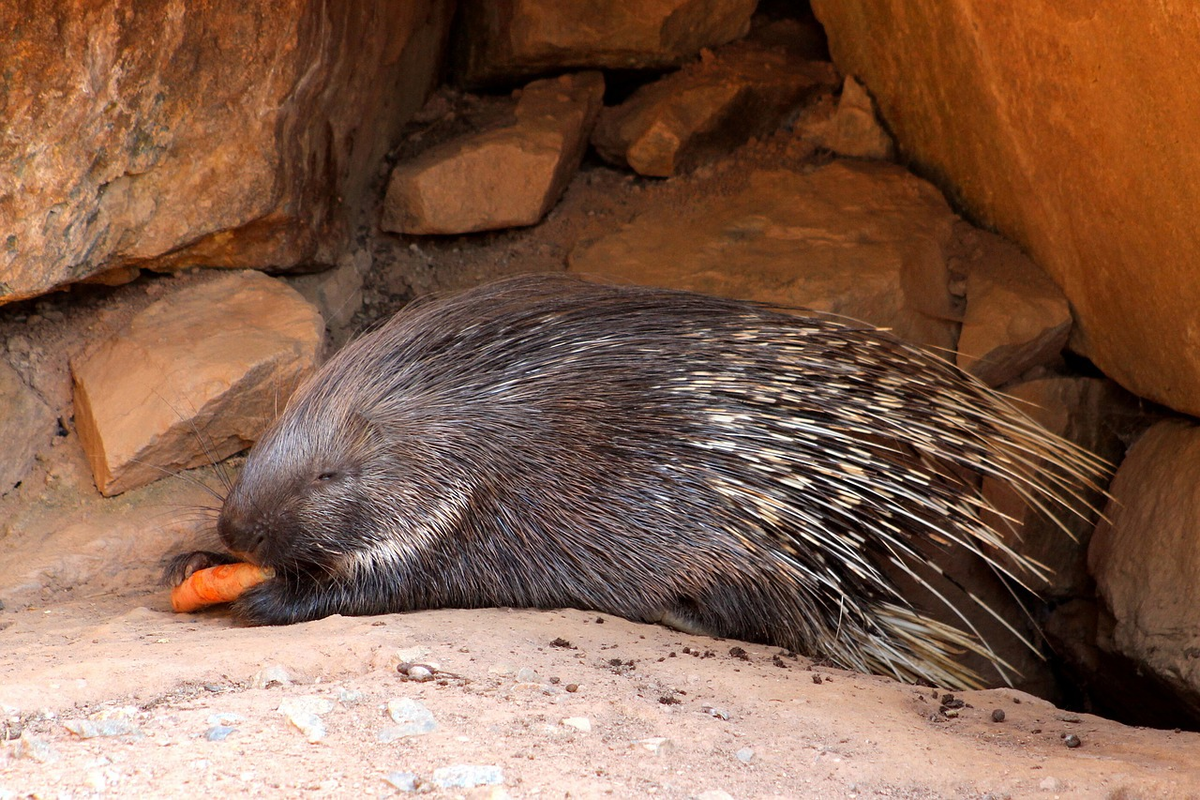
(221, 584)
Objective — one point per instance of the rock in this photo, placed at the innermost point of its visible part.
(657, 745)
(506, 41)
(411, 716)
(274, 675)
(467, 776)
(861, 239)
(194, 378)
(581, 724)
(707, 108)
(1016, 318)
(26, 426)
(1090, 413)
(853, 129)
(165, 136)
(1070, 129)
(1145, 557)
(499, 178)
(337, 293)
(304, 714)
(402, 781)
(30, 747)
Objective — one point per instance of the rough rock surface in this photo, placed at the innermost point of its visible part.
(1145, 558)
(707, 107)
(863, 240)
(851, 129)
(512, 40)
(162, 135)
(195, 378)
(26, 426)
(499, 178)
(1070, 129)
(1016, 318)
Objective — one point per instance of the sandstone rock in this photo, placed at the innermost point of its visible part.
(1146, 556)
(1090, 412)
(865, 240)
(26, 425)
(1016, 318)
(706, 108)
(161, 135)
(499, 178)
(195, 378)
(852, 129)
(1070, 129)
(337, 293)
(510, 40)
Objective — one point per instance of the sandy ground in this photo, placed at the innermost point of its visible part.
(87, 640)
(87, 637)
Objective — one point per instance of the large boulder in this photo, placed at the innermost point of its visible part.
(165, 134)
(510, 40)
(1070, 128)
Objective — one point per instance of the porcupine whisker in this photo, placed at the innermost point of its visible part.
(204, 442)
(183, 475)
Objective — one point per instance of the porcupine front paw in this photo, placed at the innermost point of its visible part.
(179, 568)
(281, 600)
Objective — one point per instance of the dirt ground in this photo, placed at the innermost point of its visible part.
(563, 703)
(541, 704)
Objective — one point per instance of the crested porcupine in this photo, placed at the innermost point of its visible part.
(664, 456)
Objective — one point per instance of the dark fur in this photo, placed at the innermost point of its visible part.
(662, 456)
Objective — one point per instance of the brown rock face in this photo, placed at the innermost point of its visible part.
(707, 107)
(500, 178)
(167, 134)
(195, 378)
(26, 425)
(861, 239)
(1146, 557)
(1016, 318)
(508, 40)
(1071, 128)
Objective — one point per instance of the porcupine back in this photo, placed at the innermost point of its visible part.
(659, 455)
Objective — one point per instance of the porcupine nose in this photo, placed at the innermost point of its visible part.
(240, 532)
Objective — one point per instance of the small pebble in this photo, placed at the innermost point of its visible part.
(719, 713)
(998, 715)
(745, 755)
(27, 746)
(402, 781)
(304, 713)
(269, 677)
(572, 687)
(218, 733)
(1071, 740)
(412, 718)
(93, 729)
(657, 745)
(578, 723)
(527, 675)
(467, 776)
(417, 672)
(224, 718)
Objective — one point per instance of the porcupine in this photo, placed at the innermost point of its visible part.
(711, 464)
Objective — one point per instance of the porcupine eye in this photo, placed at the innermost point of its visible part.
(328, 476)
